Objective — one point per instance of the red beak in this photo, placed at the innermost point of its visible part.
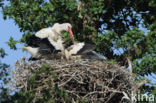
(71, 34)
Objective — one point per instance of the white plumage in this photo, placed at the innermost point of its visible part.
(38, 44)
(54, 34)
(75, 48)
(54, 37)
(45, 32)
(32, 51)
(83, 49)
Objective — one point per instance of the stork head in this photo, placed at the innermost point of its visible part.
(68, 28)
(65, 26)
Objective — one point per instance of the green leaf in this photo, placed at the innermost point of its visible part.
(12, 43)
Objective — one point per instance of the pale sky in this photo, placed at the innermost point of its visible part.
(7, 29)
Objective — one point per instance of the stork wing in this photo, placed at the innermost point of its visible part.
(33, 41)
(86, 48)
(45, 51)
(46, 47)
(44, 33)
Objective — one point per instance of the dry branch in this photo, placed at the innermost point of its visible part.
(94, 80)
(137, 85)
(130, 66)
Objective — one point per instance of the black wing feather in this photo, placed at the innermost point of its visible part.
(86, 48)
(45, 47)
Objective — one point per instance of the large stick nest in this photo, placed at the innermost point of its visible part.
(93, 80)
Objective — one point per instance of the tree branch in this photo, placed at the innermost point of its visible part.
(130, 66)
(138, 51)
(79, 8)
(138, 85)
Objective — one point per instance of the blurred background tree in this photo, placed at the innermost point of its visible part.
(121, 29)
(4, 93)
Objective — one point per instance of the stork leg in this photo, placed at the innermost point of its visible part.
(67, 54)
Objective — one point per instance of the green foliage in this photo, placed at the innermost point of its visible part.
(45, 67)
(63, 94)
(145, 66)
(2, 53)
(67, 38)
(4, 94)
(1, 3)
(113, 25)
(22, 40)
(12, 43)
(130, 39)
(104, 43)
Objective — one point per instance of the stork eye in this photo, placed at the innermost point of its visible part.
(68, 27)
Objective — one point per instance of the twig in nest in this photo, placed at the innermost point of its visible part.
(68, 79)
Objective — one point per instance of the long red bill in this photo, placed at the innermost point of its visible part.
(71, 34)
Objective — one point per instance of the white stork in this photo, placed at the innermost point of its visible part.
(48, 40)
(54, 34)
(83, 50)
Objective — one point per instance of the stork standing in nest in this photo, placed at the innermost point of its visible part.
(48, 40)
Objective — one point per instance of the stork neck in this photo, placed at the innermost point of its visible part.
(58, 32)
(58, 28)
